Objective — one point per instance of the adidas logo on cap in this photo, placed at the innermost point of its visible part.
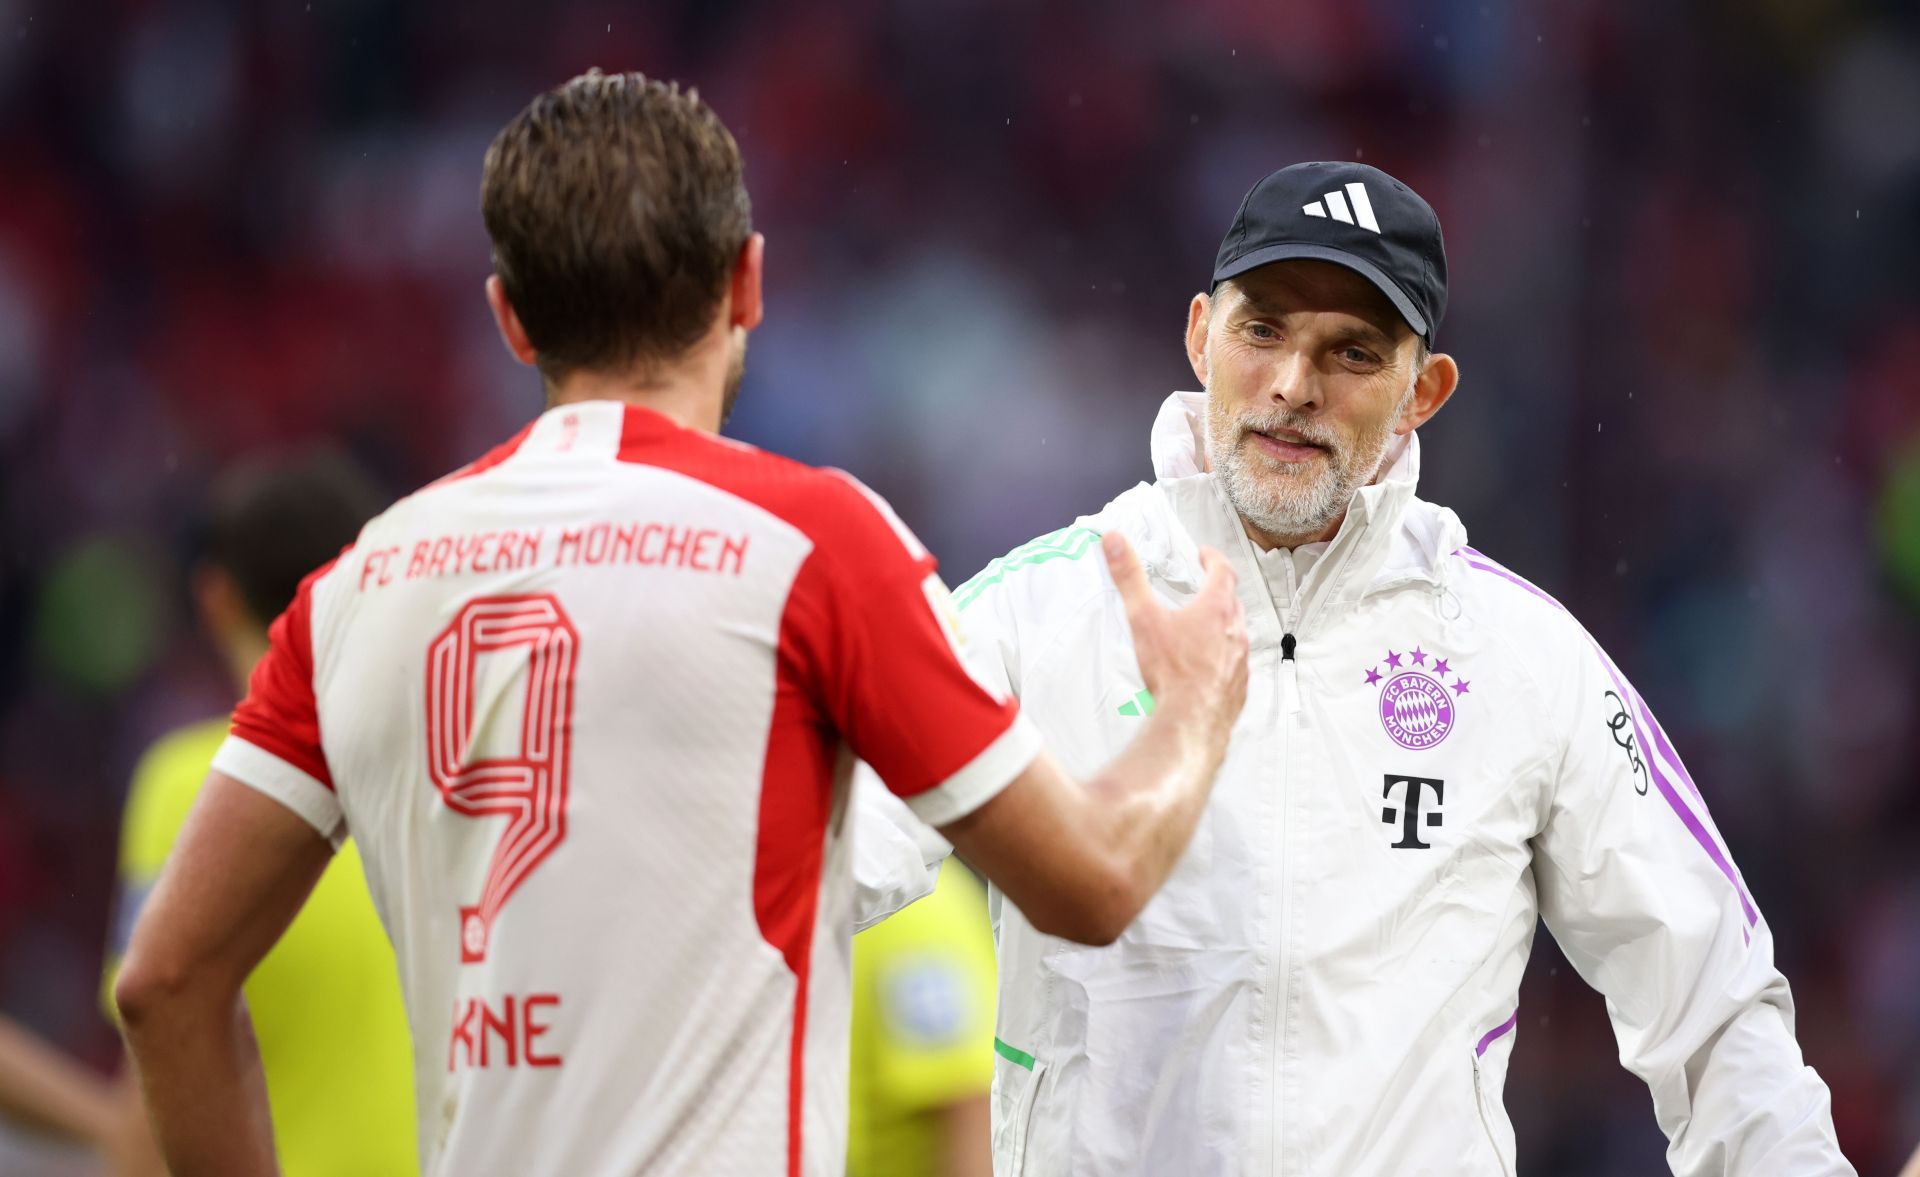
(1336, 205)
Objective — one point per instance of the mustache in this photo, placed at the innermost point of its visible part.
(1305, 429)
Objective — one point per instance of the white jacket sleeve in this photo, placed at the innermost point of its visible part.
(896, 856)
(1639, 890)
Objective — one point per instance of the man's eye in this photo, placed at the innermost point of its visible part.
(1262, 331)
(1354, 355)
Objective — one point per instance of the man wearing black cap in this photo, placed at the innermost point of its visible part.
(1433, 756)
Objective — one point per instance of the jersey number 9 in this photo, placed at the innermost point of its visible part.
(529, 788)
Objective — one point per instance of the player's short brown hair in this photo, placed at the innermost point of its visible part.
(616, 209)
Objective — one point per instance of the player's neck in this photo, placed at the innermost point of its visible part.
(691, 389)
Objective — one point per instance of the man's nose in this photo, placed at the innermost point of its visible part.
(1294, 380)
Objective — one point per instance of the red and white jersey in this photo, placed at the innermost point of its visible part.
(588, 707)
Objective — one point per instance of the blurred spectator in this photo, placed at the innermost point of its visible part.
(922, 1037)
(325, 1002)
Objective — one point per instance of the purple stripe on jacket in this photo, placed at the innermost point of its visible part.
(1660, 749)
(1487, 1039)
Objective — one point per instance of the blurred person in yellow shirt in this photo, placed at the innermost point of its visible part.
(325, 1003)
(922, 1037)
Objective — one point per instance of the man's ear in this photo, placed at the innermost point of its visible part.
(743, 289)
(505, 318)
(1199, 313)
(1431, 388)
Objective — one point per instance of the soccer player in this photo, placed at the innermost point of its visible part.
(922, 1045)
(1433, 756)
(324, 1003)
(589, 707)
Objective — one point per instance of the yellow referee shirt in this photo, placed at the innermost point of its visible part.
(325, 1002)
(922, 1032)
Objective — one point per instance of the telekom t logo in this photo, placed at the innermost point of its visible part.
(528, 788)
(1409, 813)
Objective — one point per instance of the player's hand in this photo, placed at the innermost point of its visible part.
(1192, 656)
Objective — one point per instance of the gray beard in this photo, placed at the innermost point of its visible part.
(1294, 501)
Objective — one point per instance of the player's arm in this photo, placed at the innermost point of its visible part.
(874, 632)
(1642, 895)
(966, 1137)
(47, 1091)
(255, 843)
(1081, 858)
(243, 866)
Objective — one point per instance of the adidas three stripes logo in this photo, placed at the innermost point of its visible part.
(1335, 205)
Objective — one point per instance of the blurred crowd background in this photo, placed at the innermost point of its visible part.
(1683, 238)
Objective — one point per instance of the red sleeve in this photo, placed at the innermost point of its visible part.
(279, 714)
(868, 629)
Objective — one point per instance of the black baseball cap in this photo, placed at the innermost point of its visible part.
(1352, 215)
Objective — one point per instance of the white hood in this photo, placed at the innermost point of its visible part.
(1413, 543)
(1179, 442)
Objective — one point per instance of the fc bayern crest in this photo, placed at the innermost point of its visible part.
(1417, 706)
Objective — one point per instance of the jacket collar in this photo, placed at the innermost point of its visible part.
(1390, 537)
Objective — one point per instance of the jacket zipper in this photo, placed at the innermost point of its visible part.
(1486, 1126)
(1276, 1022)
(1332, 562)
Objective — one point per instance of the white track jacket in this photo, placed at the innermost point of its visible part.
(1434, 754)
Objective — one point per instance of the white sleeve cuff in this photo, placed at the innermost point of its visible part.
(982, 778)
(262, 771)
